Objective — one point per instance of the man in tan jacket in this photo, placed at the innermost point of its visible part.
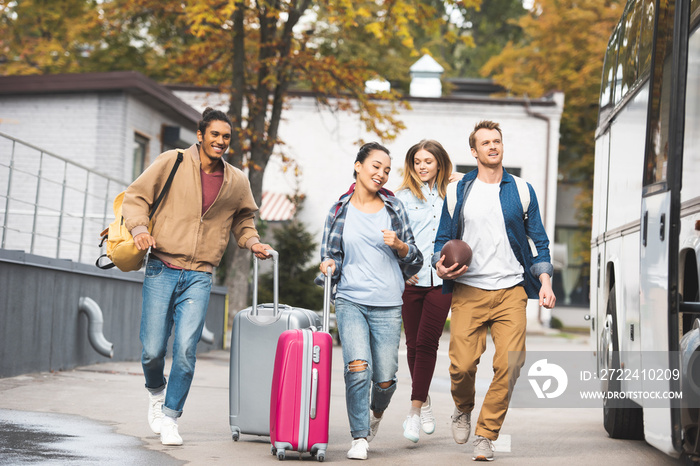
(208, 200)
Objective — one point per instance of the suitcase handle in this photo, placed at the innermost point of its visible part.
(326, 301)
(314, 393)
(275, 282)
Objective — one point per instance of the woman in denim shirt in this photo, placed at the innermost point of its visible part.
(427, 171)
(369, 249)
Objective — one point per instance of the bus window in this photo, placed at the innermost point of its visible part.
(647, 35)
(606, 87)
(656, 159)
(629, 43)
(617, 87)
(694, 11)
(691, 140)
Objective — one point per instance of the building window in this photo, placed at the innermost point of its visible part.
(140, 151)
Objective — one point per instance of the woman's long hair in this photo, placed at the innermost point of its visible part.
(412, 181)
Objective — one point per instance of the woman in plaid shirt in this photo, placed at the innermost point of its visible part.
(369, 248)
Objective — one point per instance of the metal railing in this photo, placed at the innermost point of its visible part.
(51, 206)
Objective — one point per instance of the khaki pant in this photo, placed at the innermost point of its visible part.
(473, 311)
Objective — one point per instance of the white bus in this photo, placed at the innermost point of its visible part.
(645, 240)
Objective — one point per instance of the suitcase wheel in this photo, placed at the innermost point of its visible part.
(236, 436)
(321, 456)
(273, 450)
(280, 455)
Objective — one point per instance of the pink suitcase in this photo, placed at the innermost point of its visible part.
(301, 389)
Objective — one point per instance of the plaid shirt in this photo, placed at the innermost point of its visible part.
(332, 245)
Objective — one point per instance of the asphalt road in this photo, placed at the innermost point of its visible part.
(97, 415)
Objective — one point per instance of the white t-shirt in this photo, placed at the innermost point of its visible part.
(494, 266)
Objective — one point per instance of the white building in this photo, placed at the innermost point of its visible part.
(324, 143)
(117, 123)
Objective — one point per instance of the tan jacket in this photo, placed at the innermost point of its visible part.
(185, 236)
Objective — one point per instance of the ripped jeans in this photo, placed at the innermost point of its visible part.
(370, 337)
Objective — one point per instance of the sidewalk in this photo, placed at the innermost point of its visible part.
(112, 394)
(103, 408)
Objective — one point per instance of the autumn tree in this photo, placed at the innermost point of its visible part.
(69, 36)
(255, 51)
(491, 25)
(44, 37)
(562, 48)
(470, 33)
(440, 37)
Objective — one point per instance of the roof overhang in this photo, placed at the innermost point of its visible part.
(131, 82)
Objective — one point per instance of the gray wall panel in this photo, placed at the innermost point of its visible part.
(41, 328)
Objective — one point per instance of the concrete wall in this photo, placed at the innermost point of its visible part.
(41, 328)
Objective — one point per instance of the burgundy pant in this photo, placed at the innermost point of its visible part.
(424, 313)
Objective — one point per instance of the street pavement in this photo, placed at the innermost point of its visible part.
(97, 415)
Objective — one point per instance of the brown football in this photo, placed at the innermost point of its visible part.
(456, 250)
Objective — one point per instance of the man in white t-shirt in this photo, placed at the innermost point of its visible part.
(493, 291)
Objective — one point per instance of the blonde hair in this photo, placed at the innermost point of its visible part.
(411, 179)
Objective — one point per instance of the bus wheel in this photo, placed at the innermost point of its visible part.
(622, 418)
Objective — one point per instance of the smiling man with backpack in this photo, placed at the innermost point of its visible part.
(493, 291)
(209, 199)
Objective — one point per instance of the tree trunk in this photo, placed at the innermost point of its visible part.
(238, 261)
(237, 281)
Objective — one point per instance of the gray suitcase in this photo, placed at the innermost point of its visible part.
(253, 345)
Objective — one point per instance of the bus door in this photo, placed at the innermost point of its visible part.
(660, 213)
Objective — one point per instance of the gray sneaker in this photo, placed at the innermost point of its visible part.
(373, 426)
(483, 449)
(461, 426)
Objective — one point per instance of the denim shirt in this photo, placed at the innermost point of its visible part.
(517, 229)
(424, 216)
(332, 244)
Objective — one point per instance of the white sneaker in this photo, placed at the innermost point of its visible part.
(168, 432)
(411, 428)
(373, 426)
(358, 450)
(155, 411)
(427, 420)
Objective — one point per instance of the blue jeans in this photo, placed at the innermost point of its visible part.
(179, 298)
(368, 334)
